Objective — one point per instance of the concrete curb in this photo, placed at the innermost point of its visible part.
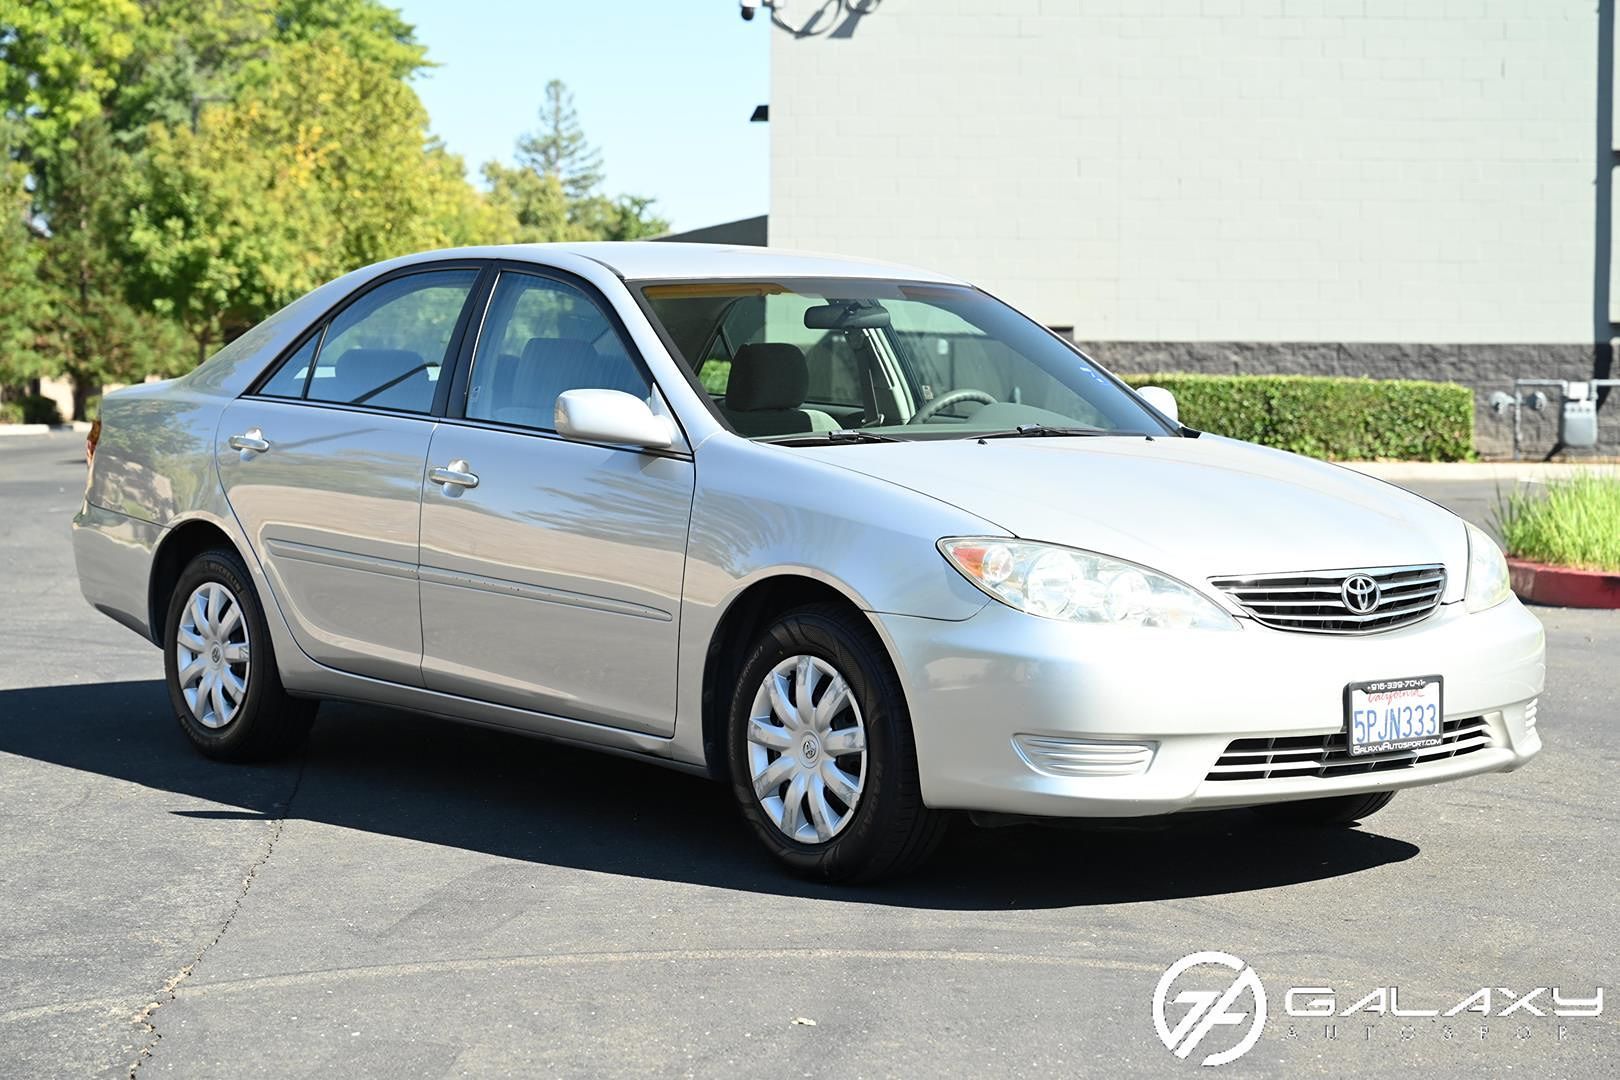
(1562, 586)
(1527, 471)
(80, 426)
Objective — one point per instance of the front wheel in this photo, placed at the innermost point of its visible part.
(221, 668)
(1319, 813)
(823, 764)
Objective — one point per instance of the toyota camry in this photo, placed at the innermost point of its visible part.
(859, 541)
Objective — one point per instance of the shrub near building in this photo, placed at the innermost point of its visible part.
(1339, 419)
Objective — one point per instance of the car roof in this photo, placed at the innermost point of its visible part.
(645, 260)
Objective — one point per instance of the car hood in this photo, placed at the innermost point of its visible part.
(1194, 508)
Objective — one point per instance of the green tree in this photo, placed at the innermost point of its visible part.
(58, 61)
(64, 308)
(188, 54)
(95, 334)
(553, 192)
(22, 298)
(628, 217)
(174, 170)
(366, 30)
(324, 165)
(558, 148)
(534, 203)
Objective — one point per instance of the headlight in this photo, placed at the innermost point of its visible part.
(1488, 583)
(1080, 586)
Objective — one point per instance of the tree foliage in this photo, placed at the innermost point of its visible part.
(324, 165)
(58, 63)
(23, 299)
(555, 190)
(559, 149)
(174, 170)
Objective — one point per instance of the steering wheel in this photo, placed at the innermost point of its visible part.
(932, 408)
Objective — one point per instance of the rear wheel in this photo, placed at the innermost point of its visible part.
(221, 668)
(1337, 811)
(823, 764)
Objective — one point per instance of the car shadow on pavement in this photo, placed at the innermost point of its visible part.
(400, 774)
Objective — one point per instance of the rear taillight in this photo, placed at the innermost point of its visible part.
(91, 440)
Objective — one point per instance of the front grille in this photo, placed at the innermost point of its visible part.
(1315, 602)
(1329, 755)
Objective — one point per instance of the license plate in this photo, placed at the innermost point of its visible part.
(1393, 714)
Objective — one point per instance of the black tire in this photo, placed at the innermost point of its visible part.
(890, 830)
(1342, 810)
(268, 722)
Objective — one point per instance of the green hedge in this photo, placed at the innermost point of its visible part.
(1327, 417)
(33, 409)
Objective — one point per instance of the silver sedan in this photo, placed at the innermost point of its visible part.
(860, 541)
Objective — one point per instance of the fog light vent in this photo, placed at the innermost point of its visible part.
(1530, 714)
(1084, 757)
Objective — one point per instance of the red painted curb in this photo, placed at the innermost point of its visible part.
(1561, 586)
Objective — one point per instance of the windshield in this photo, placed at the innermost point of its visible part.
(794, 359)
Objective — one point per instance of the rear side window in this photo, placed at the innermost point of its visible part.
(290, 377)
(385, 350)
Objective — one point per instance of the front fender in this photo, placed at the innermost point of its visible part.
(761, 511)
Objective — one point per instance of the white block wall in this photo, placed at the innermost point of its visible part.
(1210, 170)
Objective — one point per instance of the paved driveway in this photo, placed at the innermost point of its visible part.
(417, 898)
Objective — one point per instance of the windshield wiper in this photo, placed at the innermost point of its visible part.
(843, 435)
(1045, 431)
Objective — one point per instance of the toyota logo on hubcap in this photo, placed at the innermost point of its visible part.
(809, 749)
(1360, 593)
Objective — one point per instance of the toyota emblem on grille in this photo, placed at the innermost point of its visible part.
(1360, 593)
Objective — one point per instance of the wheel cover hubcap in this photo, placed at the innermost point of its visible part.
(211, 655)
(807, 749)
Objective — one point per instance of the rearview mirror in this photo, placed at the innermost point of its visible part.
(847, 315)
(612, 416)
(1161, 399)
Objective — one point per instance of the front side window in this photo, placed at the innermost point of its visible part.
(540, 338)
(907, 361)
(385, 350)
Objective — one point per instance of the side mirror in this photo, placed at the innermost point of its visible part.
(1161, 399)
(612, 416)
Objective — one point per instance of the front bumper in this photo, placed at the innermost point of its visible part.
(974, 685)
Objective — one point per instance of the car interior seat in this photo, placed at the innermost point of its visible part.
(525, 391)
(766, 390)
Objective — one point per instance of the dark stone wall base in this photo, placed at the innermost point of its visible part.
(1482, 368)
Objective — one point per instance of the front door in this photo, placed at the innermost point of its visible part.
(323, 468)
(551, 570)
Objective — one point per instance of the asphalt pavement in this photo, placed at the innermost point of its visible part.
(410, 897)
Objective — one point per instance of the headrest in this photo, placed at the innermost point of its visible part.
(767, 375)
(360, 376)
(550, 350)
(378, 364)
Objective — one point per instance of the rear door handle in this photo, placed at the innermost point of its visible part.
(457, 473)
(252, 440)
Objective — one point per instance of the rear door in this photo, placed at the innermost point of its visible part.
(323, 466)
(550, 569)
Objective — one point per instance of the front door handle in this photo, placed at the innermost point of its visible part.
(457, 473)
(252, 441)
